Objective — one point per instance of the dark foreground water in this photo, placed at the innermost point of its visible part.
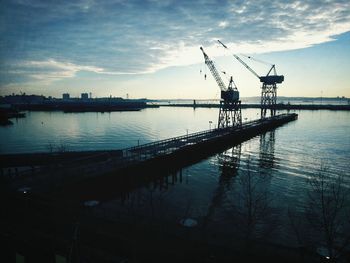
(271, 171)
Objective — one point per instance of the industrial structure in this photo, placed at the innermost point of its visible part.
(65, 96)
(84, 96)
(268, 89)
(230, 105)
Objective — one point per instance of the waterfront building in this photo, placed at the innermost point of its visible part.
(84, 96)
(65, 96)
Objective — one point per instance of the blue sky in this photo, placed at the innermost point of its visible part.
(151, 48)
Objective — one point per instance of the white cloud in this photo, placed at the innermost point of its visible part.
(51, 69)
(223, 24)
(270, 26)
(136, 37)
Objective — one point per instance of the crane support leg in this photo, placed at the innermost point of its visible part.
(230, 114)
(268, 99)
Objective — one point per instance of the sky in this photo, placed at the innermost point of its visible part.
(150, 48)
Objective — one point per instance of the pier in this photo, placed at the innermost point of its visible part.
(85, 175)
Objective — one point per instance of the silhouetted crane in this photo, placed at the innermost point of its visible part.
(269, 87)
(230, 105)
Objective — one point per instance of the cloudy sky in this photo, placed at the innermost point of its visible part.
(151, 48)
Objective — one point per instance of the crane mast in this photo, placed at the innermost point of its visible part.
(268, 89)
(230, 105)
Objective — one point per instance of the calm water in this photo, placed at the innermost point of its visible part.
(89, 131)
(280, 161)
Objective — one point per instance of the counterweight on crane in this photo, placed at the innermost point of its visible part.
(269, 86)
(230, 105)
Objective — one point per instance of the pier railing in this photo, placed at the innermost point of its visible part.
(144, 151)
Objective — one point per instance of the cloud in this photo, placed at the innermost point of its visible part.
(56, 70)
(59, 39)
(223, 24)
(45, 72)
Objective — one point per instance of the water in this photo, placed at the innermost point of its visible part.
(94, 131)
(280, 162)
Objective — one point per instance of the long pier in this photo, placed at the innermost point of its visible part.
(89, 174)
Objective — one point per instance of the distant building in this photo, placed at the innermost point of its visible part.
(65, 96)
(23, 99)
(84, 96)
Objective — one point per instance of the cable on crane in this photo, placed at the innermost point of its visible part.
(257, 60)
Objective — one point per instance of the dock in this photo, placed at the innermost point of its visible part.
(85, 175)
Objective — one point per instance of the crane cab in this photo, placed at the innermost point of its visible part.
(273, 79)
(230, 95)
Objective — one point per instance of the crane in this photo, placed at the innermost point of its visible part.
(230, 105)
(269, 87)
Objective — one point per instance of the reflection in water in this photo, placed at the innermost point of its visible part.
(229, 164)
(157, 201)
(159, 184)
(267, 150)
(170, 197)
(251, 205)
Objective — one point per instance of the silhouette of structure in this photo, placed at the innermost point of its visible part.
(230, 105)
(267, 150)
(269, 86)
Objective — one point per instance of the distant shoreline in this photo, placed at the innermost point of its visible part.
(258, 106)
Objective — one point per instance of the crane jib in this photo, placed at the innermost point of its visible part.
(213, 71)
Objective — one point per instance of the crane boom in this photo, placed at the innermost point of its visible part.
(241, 61)
(244, 64)
(268, 79)
(213, 71)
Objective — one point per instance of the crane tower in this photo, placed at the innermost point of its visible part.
(268, 89)
(230, 105)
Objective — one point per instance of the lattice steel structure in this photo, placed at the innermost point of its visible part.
(230, 113)
(269, 87)
(230, 105)
(268, 99)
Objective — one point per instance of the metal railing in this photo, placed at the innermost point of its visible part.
(187, 137)
(174, 143)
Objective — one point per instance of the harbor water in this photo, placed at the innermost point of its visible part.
(280, 163)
